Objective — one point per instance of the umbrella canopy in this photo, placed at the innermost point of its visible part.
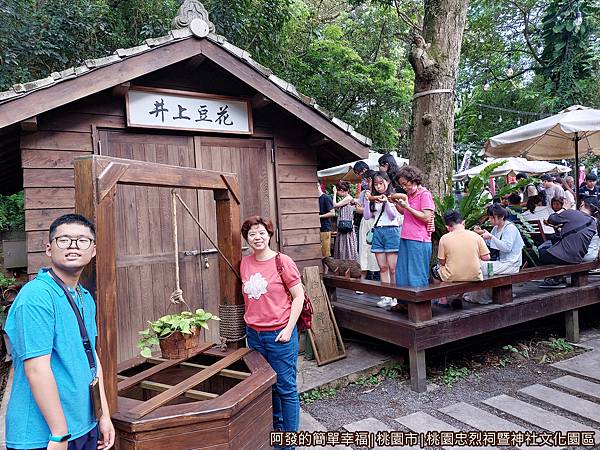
(344, 171)
(564, 135)
(513, 165)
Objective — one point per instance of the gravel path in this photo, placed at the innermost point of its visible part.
(497, 363)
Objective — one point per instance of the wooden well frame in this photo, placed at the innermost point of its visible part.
(96, 181)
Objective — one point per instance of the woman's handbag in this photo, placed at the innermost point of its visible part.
(305, 319)
(345, 226)
(370, 232)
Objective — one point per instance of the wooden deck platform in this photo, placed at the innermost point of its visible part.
(359, 313)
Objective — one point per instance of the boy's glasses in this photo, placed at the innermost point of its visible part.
(81, 243)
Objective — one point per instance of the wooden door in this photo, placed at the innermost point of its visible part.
(145, 248)
(250, 160)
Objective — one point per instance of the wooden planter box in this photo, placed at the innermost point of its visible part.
(212, 400)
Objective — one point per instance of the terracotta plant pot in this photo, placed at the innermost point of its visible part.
(179, 345)
(10, 293)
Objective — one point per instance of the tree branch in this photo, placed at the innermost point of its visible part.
(515, 75)
(407, 20)
(525, 13)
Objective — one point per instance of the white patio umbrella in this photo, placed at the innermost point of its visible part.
(512, 165)
(344, 171)
(561, 136)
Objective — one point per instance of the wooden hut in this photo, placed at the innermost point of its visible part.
(189, 98)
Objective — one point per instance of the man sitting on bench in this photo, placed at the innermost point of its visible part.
(570, 246)
(460, 251)
(459, 254)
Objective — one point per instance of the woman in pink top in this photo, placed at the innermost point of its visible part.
(271, 316)
(414, 254)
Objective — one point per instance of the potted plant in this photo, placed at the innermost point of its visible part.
(176, 334)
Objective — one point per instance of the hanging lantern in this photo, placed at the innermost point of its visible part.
(480, 116)
(500, 119)
(509, 71)
(486, 86)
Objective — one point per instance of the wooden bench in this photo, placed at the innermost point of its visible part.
(420, 313)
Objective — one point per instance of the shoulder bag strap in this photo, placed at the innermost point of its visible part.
(280, 270)
(82, 331)
(380, 214)
(578, 229)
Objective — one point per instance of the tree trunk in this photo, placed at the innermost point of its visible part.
(434, 57)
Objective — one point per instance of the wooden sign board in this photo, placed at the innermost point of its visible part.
(324, 335)
(180, 110)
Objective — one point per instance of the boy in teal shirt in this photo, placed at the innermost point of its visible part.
(50, 404)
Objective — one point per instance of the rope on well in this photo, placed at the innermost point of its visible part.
(232, 327)
(177, 294)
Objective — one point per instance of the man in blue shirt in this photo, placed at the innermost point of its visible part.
(50, 403)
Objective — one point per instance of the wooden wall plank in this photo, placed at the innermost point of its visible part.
(296, 156)
(301, 236)
(40, 219)
(101, 104)
(310, 262)
(78, 122)
(296, 221)
(44, 198)
(298, 190)
(35, 261)
(48, 178)
(299, 205)
(57, 140)
(44, 159)
(36, 241)
(303, 252)
(293, 173)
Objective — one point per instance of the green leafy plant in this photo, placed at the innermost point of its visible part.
(185, 322)
(561, 345)
(12, 212)
(473, 206)
(453, 374)
(523, 351)
(6, 281)
(317, 394)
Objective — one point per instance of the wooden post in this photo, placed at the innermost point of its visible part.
(230, 242)
(418, 380)
(100, 277)
(572, 325)
(579, 279)
(502, 294)
(419, 312)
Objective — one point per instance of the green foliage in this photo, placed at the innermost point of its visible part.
(393, 372)
(567, 56)
(6, 281)
(560, 345)
(522, 351)
(185, 322)
(12, 212)
(58, 35)
(473, 206)
(452, 375)
(314, 395)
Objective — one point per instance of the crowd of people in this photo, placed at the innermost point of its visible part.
(393, 225)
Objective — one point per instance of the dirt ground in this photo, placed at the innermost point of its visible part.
(469, 371)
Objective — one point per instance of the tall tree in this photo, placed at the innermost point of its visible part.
(434, 56)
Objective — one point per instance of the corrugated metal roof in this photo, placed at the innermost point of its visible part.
(21, 90)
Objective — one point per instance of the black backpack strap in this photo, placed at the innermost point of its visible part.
(87, 346)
